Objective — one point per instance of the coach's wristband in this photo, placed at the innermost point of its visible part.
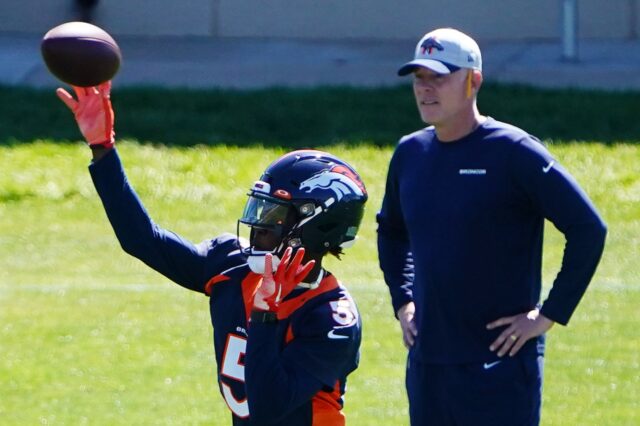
(264, 316)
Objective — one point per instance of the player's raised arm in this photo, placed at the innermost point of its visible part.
(164, 251)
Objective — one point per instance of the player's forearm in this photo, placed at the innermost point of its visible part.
(130, 221)
(136, 232)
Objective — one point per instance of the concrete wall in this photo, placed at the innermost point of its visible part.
(388, 19)
(327, 19)
(157, 17)
(32, 15)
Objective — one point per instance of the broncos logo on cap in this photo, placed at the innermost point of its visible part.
(339, 179)
(429, 44)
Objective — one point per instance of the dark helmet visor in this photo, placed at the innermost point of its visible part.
(265, 212)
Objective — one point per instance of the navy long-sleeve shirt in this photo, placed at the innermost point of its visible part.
(460, 234)
(292, 372)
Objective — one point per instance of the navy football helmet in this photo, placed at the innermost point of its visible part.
(310, 199)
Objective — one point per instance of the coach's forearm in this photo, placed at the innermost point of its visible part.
(582, 253)
(396, 263)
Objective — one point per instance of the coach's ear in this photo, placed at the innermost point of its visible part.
(475, 81)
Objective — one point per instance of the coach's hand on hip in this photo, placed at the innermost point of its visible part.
(520, 328)
(408, 324)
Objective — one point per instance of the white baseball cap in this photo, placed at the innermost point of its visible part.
(444, 51)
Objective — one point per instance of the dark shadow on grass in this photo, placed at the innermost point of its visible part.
(297, 118)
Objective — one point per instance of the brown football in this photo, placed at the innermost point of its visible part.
(81, 54)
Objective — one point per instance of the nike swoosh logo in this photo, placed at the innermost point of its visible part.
(546, 169)
(331, 334)
(488, 365)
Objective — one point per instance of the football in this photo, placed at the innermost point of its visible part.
(80, 54)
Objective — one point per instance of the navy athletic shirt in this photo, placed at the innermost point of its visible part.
(460, 233)
(292, 372)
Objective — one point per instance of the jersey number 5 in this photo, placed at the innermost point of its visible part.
(233, 368)
(343, 313)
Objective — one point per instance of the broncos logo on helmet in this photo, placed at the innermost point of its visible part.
(340, 180)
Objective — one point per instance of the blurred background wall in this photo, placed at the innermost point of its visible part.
(327, 19)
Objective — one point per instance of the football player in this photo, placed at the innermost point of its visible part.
(286, 332)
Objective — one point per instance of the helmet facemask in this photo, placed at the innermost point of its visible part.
(269, 223)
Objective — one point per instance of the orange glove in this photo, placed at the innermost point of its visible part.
(93, 113)
(289, 274)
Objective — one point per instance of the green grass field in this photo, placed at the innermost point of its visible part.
(89, 335)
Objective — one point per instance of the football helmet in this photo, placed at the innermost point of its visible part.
(310, 199)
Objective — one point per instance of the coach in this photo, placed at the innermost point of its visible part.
(460, 244)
